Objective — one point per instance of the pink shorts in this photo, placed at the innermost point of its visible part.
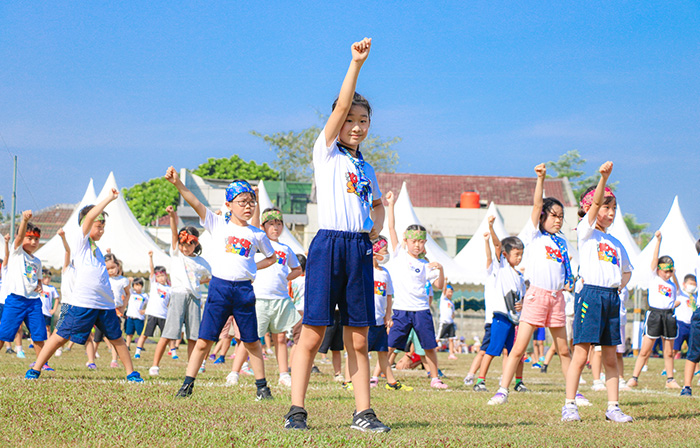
(543, 308)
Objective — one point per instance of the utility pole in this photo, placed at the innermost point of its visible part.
(14, 200)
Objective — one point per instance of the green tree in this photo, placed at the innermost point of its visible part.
(294, 152)
(570, 165)
(235, 168)
(637, 230)
(148, 200)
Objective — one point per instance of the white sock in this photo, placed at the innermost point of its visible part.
(503, 390)
(613, 404)
(18, 348)
(570, 402)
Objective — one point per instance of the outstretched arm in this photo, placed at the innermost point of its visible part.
(655, 255)
(66, 257)
(489, 259)
(360, 51)
(494, 238)
(170, 210)
(150, 263)
(255, 220)
(96, 211)
(541, 171)
(22, 231)
(605, 171)
(391, 220)
(172, 177)
(7, 250)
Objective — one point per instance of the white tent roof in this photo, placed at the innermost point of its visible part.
(472, 257)
(52, 253)
(125, 237)
(619, 230)
(676, 241)
(405, 216)
(287, 238)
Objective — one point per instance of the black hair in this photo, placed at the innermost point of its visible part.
(138, 281)
(697, 246)
(45, 272)
(416, 227)
(357, 100)
(302, 261)
(382, 238)
(158, 269)
(690, 277)
(85, 210)
(112, 257)
(511, 243)
(665, 259)
(606, 200)
(548, 205)
(32, 228)
(194, 232)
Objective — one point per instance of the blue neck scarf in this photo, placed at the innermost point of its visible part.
(364, 185)
(561, 244)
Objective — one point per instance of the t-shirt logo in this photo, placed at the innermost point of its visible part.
(351, 182)
(240, 246)
(380, 289)
(162, 294)
(281, 257)
(554, 254)
(665, 291)
(607, 253)
(30, 272)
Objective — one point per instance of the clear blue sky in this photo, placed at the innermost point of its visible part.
(489, 88)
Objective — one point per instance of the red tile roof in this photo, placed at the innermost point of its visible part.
(439, 190)
(49, 220)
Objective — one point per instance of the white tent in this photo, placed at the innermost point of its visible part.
(52, 254)
(676, 241)
(405, 216)
(125, 237)
(287, 238)
(619, 230)
(472, 257)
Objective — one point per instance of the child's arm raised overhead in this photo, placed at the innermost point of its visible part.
(489, 259)
(360, 51)
(7, 250)
(541, 171)
(22, 231)
(605, 170)
(391, 220)
(91, 216)
(655, 255)
(66, 247)
(170, 210)
(494, 238)
(150, 263)
(172, 177)
(255, 219)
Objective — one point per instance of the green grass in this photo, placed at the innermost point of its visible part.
(76, 407)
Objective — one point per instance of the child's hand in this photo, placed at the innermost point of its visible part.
(150, 253)
(390, 198)
(519, 306)
(388, 322)
(61, 232)
(218, 212)
(606, 169)
(26, 215)
(170, 210)
(360, 50)
(142, 312)
(657, 234)
(108, 250)
(487, 236)
(7, 238)
(435, 265)
(115, 194)
(171, 175)
(541, 170)
(492, 219)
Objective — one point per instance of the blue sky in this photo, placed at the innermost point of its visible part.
(488, 88)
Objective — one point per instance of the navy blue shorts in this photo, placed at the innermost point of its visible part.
(228, 298)
(487, 338)
(19, 309)
(539, 334)
(683, 336)
(694, 338)
(339, 272)
(47, 320)
(133, 325)
(2, 307)
(597, 316)
(333, 337)
(76, 324)
(420, 321)
(377, 339)
(502, 335)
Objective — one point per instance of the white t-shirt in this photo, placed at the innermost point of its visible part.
(684, 312)
(489, 295)
(662, 293)
(509, 288)
(271, 282)
(298, 291)
(136, 304)
(382, 288)
(23, 274)
(186, 273)
(339, 207)
(91, 287)
(603, 259)
(409, 276)
(233, 248)
(158, 299)
(67, 281)
(48, 295)
(544, 262)
(119, 285)
(447, 310)
(569, 300)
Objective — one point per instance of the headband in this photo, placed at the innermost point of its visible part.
(666, 266)
(185, 237)
(100, 218)
(379, 245)
(415, 235)
(33, 233)
(238, 187)
(271, 215)
(587, 199)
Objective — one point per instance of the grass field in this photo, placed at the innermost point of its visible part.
(80, 408)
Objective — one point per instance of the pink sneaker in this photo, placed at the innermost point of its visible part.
(452, 357)
(437, 384)
(373, 382)
(114, 364)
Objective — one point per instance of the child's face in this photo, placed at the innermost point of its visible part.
(187, 249)
(448, 293)
(355, 128)
(665, 275)
(97, 230)
(514, 257)
(112, 268)
(162, 278)
(554, 219)
(30, 244)
(382, 254)
(242, 206)
(415, 247)
(273, 229)
(138, 287)
(46, 279)
(690, 286)
(606, 215)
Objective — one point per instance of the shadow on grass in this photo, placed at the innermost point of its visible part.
(687, 416)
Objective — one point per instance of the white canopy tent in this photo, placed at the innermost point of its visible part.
(677, 241)
(125, 237)
(619, 230)
(472, 257)
(52, 253)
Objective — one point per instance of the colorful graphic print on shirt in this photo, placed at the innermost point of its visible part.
(554, 254)
(665, 291)
(608, 253)
(240, 246)
(30, 272)
(162, 294)
(352, 182)
(380, 289)
(281, 257)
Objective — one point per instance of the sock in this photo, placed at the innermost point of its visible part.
(518, 380)
(570, 401)
(260, 383)
(670, 379)
(188, 380)
(375, 379)
(503, 390)
(613, 404)
(481, 379)
(18, 348)
(139, 349)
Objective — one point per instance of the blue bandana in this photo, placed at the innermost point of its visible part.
(236, 188)
(561, 244)
(364, 185)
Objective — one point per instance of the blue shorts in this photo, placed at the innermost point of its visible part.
(133, 325)
(502, 335)
(539, 334)
(597, 316)
(377, 339)
(487, 338)
(2, 307)
(77, 322)
(47, 320)
(683, 335)
(19, 309)
(694, 338)
(339, 271)
(420, 321)
(228, 298)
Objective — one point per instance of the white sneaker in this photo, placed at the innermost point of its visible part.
(339, 378)
(581, 380)
(232, 378)
(623, 385)
(59, 352)
(285, 379)
(598, 386)
(582, 401)
(154, 371)
(645, 368)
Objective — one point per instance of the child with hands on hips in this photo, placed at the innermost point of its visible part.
(233, 269)
(411, 306)
(604, 269)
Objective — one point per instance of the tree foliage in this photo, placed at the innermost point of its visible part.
(148, 200)
(235, 168)
(637, 230)
(294, 152)
(570, 165)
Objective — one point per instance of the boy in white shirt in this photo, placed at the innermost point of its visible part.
(49, 298)
(135, 311)
(684, 312)
(693, 355)
(157, 307)
(446, 330)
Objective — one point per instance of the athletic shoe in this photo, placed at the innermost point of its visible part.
(536, 365)
(436, 383)
(21, 355)
(672, 384)
(47, 368)
(114, 364)
(373, 382)
(499, 398)
(581, 380)
(296, 419)
(663, 372)
(263, 393)
(339, 378)
(469, 379)
(398, 386)
(315, 369)
(32, 374)
(347, 385)
(582, 401)
(134, 377)
(91, 365)
(154, 371)
(632, 382)
(452, 357)
(137, 355)
(285, 380)
(170, 352)
(622, 385)
(614, 414)
(687, 392)
(59, 352)
(544, 368)
(31, 345)
(232, 378)
(520, 387)
(598, 386)
(245, 368)
(9, 351)
(645, 368)
(367, 421)
(212, 357)
(569, 413)
(219, 360)
(185, 391)
(175, 356)
(97, 355)
(541, 359)
(67, 349)
(480, 387)
(696, 373)
(527, 359)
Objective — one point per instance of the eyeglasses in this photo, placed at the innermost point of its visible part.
(244, 203)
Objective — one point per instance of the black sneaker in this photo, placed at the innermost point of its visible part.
(263, 393)
(315, 369)
(367, 421)
(544, 369)
(480, 387)
(9, 351)
(185, 391)
(520, 387)
(296, 419)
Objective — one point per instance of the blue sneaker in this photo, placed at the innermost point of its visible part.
(31, 345)
(32, 374)
(47, 368)
(536, 365)
(134, 377)
(663, 373)
(137, 355)
(687, 392)
(91, 366)
(220, 360)
(20, 354)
